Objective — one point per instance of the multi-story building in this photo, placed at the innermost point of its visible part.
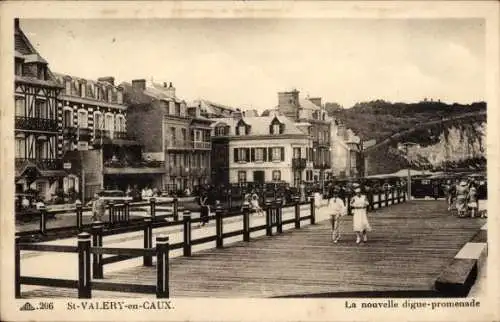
(171, 132)
(97, 151)
(260, 149)
(38, 165)
(310, 111)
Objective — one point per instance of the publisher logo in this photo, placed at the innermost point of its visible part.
(27, 307)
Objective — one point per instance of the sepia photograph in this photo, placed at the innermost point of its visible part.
(262, 158)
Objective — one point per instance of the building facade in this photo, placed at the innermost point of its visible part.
(38, 165)
(260, 150)
(310, 111)
(171, 133)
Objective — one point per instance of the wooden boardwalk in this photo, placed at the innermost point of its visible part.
(409, 246)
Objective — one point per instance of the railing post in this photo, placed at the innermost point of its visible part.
(279, 216)
(84, 280)
(187, 232)
(148, 241)
(111, 211)
(386, 193)
(152, 208)
(313, 210)
(230, 199)
(297, 212)
(175, 209)
(218, 227)
(269, 222)
(79, 216)
(97, 229)
(17, 268)
(127, 210)
(43, 219)
(162, 271)
(246, 222)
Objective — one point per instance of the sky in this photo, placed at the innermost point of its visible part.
(244, 63)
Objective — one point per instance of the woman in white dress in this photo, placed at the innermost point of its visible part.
(360, 223)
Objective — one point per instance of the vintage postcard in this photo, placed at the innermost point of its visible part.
(248, 161)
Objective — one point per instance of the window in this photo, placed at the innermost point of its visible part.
(98, 121)
(259, 154)
(67, 117)
(197, 135)
(276, 175)
(41, 149)
(19, 68)
(172, 133)
(120, 123)
(276, 128)
(177, 109)
(277, 154)
(120, 97)
(241, 155)
(82, 119)
(20, 147)
(41, 109)
(109, 122)
(242, 176)
(67, 85)
(184, 135)
(296, 153)
(41, 72)
(83, 90)
(20, 109)
(241, 130)
(221, 130)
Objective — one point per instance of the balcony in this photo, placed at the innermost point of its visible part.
(200, 145)
(35, 124)
(69, 132)
(42, 164)
(188, 145)
(199, 172)
(299, 163)
(179, 145)
(321, 143)
(322, 165)
(98, 134)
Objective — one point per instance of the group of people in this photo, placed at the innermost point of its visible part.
(464, 196)
(359, 204)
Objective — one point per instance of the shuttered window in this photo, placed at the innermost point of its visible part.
(241, 155)
(276, 154)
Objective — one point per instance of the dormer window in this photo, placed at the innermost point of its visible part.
(68, 87)
(276, 127)
(242, 128)
(221, 130)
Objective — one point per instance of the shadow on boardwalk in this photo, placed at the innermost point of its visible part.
(409, 245)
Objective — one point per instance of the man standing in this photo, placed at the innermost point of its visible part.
(338, 209)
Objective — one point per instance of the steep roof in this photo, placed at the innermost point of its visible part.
(211, 107)
(24, 49)
(307, 104)
(259, 124)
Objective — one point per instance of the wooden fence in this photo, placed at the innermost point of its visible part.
(273, 219)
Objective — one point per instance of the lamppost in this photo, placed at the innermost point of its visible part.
(405, 147)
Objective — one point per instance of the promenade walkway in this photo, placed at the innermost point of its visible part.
(409, 246)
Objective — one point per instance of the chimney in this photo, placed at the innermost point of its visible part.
(16, 23)
(170, 90)
(139, 84)
(107, 79)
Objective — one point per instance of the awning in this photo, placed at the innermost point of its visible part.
(53, 173)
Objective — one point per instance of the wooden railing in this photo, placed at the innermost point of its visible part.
(85, 284)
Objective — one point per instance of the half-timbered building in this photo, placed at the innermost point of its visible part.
(38, 164)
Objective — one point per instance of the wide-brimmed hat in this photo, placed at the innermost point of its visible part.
(357, 189)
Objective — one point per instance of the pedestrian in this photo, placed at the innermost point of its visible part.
(360, 222)
(338, 210)
(302, 191)
(204, 209)
(461, 198)
(98, 208)
(472, 203)
(254, 204)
